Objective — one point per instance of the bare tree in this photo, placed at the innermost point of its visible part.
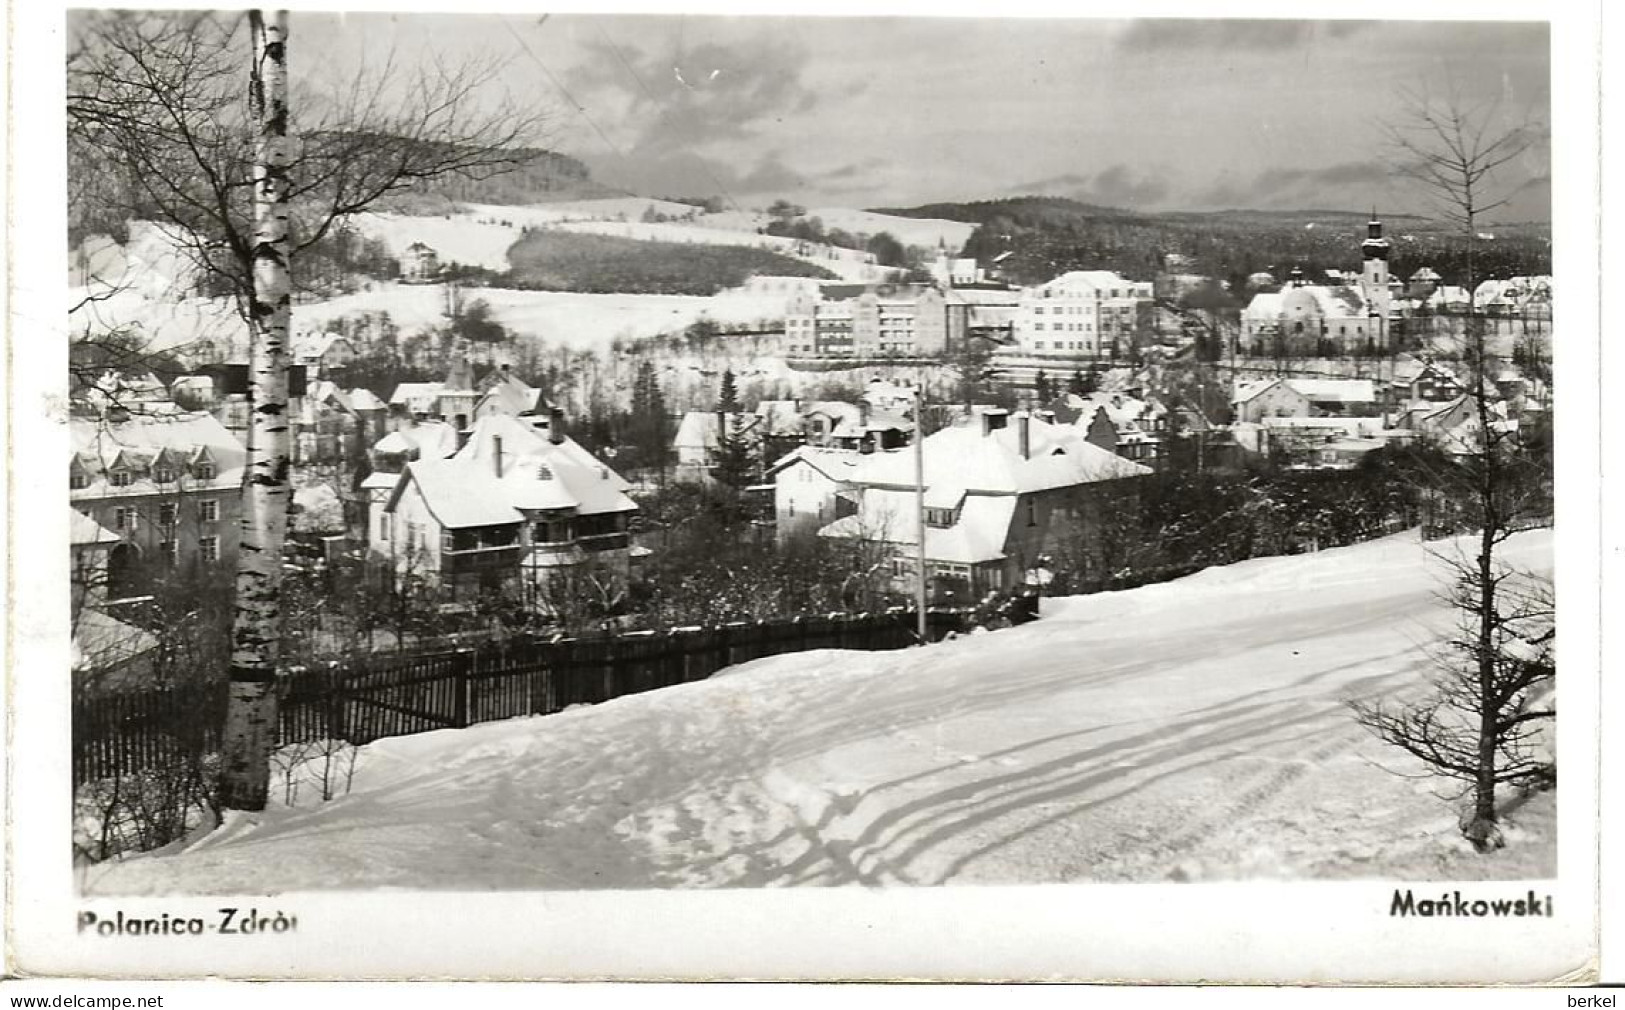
(158, 131)
(1475, 724)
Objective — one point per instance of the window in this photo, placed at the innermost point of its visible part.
(940, 518)
(171, 551)
(447, 541)
(204, 470)
(119, 478)
(166, 515)
(163, 475)
(125, 518)
(555, 531)
(78, 481)
(1032, 512)
(208, 510)
(209, 548)
(385, 525)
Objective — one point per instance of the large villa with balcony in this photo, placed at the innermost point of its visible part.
(517, 503)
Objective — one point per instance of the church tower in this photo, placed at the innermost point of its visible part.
(1374, 279)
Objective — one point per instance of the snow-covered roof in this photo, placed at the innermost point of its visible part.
(365, 399)
(428, 439)
(1448, 294)
(836, 464)
(412, 394)
(186, 438)
(890, 516)
(314, 346)
(1247, 389)
(965, 457)
(1099, 280)
(508, 394)
(1264, 305)
(1336, 390)
(101, 641)
(1124, 411)
(84, 531)
(536, 473)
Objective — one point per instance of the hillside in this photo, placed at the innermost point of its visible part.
(1196, 730)
(1050, 235)
(556, 260)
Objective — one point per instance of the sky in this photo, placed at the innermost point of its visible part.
(1164, 114)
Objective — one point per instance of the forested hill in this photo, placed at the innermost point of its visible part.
(1046, 236)
(543, 176)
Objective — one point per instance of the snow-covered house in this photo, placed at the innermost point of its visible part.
(170, 486)
(812, 487)
(1454, 427)
(839, 425)
(1081, 314)
(502, 392)
(517, 503)
(390, 455)
(1416, 380)
(999, 493)
(420, 265)
(321, 353)
(1256, 399)
(1132, 427)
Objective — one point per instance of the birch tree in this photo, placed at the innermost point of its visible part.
(256, 634)
(158, 131)
(1475, 726)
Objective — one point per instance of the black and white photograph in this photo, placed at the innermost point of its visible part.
(1090, 487)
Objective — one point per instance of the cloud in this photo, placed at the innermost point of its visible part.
(711, 93)
(1158, 35)
(688, 173)
(1346, 184)
(1117, 186)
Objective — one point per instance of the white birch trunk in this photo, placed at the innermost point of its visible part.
(250, 726)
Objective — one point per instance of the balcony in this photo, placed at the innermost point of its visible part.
(605, 542)
(479, 559)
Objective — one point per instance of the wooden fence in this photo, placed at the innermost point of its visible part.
(123, 734)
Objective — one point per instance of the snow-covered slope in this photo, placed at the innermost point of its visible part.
(1186, 731)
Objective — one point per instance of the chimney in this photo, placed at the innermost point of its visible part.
(496, 452)
(993, 420)
(863, 414)
(1024, 434)
(555, 426)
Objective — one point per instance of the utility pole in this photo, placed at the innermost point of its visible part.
(919, 503)
(256, 634)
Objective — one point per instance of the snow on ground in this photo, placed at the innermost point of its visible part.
(575, 319)
(926, 232)
(472, 239)
(1187, 731)
(570, 318)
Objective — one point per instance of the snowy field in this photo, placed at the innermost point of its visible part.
(1190, 731)
(481, 234)
(562, 318)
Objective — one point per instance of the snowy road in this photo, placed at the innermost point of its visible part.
(1194, 730)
